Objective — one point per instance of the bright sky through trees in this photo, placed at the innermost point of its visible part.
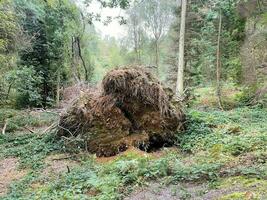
(113, 29)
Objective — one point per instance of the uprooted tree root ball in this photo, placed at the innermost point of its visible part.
(130, 109)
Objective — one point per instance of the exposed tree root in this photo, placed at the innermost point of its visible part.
(131, 108)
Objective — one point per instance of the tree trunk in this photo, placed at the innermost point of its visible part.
(8, 91)
(45, 92)
(74, 67)
(180, 75)
(58, 88)
(81, 57)
(157, 54)
(135, 40)
(218, 68)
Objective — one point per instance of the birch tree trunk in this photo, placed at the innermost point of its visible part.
(218, 66)
(180, 75)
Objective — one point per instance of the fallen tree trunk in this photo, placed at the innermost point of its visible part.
(130, 109)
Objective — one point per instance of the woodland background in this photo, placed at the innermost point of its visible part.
(46, 46)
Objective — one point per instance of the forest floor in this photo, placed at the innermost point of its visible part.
(222, 155)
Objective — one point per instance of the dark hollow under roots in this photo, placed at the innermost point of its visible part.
(156, 143)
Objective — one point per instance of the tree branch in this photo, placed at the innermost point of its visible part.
(4, 128)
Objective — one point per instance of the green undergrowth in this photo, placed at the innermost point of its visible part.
(216, 148)
(30, 148)
(18, 120)
(115, 179)
(235, 132)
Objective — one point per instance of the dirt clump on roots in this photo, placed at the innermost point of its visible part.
(131, 108)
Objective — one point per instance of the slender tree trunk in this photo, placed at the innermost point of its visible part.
(8, 91)
(157, 55)
(81, 57)
(58, 88)
(74, 67)
(218, 68)
(180, 75)
(139, 44)
(135, 41)
(139, 53)
(45, 90)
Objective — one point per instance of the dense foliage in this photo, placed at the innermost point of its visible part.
(46, 45)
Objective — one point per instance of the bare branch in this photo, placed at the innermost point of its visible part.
(4, 128)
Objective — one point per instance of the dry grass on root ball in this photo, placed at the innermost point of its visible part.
(130, 109)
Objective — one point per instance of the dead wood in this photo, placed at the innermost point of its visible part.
(27, 128)
(4, 127)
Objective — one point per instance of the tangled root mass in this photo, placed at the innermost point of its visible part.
(131, 108)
